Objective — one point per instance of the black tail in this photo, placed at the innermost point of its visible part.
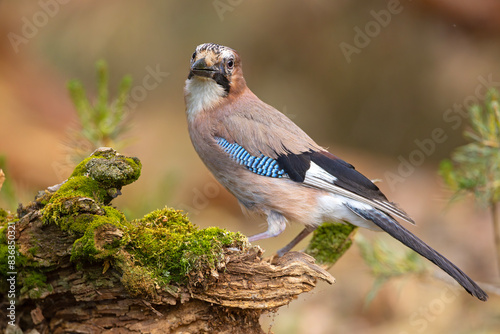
(391, 226)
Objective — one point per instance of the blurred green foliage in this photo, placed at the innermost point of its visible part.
(385, 263)
(475, 167)
(103, 123)
(7, 191)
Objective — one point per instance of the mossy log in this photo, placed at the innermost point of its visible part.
(83, 268)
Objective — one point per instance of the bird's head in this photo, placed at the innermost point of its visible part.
(215, 73)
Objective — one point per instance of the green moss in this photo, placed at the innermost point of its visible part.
(33, 250)
(78, 206)
(68, 208)
(3, 216)
(34, 284)
(109, 170)
(80, 186)
(81, 168)
(6, 250)
(171, 247)
(116, 216)
(115, 172)
(44, 197)
(107, 230)
(151, 253)
(330, 241)
(138, 280)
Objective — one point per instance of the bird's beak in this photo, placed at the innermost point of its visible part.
(200, 68)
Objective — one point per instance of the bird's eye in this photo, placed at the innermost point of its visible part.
(230, 64)
(194, 55)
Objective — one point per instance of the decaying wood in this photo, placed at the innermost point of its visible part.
(95, 297)
(231, 300)
(249, 282)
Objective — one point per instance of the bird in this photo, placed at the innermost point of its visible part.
(276, 170)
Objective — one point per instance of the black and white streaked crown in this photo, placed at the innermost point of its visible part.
(219, 51)
(212, 47)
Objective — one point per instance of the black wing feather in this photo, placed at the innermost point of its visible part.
(347, 176)
(297, 165)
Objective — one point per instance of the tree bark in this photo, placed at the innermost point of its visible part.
(87, 300)
(94, 297)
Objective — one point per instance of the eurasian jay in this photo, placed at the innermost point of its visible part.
(275, 169)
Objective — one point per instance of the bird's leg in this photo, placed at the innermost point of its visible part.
(305, 232)
(276, 223)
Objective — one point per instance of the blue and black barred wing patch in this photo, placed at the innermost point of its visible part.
(260, 165)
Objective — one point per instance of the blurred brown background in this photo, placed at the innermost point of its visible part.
(369, 96)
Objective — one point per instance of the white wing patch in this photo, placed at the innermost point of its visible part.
(319, 178)
(333, 207)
